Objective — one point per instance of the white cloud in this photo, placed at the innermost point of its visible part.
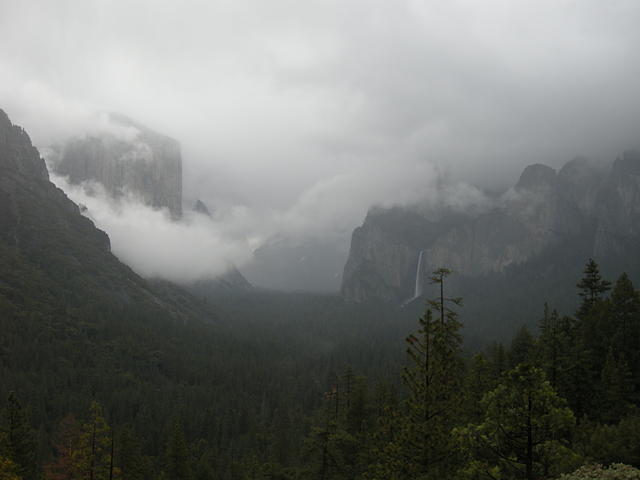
(147, 240)
(298, 115)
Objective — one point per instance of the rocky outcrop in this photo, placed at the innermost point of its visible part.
(201, 208)
(126, 158)
(545, 211)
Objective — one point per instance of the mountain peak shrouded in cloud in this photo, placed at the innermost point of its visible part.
(126, 158)
(537, 176)
(546, 222)
(295, 117)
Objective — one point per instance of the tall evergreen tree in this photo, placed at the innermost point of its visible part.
(522, 347)
(625, 310)
(177, 465)
(478, 381)
(383, 458)
(616, 388)
(337, 447)
(497, 357)
(66, 442)
(554, 348)
(591, 287)
(581, 381)
(549, 345)
(94, 456)
(424, 447)
(131, 461)
(18, 441)
(591, 340)
(525, 427)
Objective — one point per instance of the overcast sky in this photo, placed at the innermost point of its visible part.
(303, 113)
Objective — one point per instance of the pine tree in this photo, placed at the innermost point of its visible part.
(525, 427)
(383, 459)
(625, 310)
(580, 383)
(616, 388)
(591, 341)
(522, 347)
(18, 439)
(357, 408)
(554, 348)
(95, 452)
(478, 381)
(497, 357)
(177, 466)
(549, 345)
(66, 441)
(338, 443)
(434, 381)
(592, 288)
(131, 462)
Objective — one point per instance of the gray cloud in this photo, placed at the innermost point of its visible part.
(302, 114)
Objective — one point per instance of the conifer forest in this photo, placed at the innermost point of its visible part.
(319, 240)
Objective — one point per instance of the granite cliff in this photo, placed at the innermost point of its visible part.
(584, 208)
(54, 260)
(126, 158)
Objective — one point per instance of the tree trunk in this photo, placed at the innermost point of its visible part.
(529, 465)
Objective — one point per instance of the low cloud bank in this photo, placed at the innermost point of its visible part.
(296, 117)
(147, 240)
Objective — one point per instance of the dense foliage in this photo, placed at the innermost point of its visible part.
(269, 394)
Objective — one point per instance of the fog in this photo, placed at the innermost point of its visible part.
(296, 116)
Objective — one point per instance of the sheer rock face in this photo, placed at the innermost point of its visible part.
(29, 200)
(47, 246)
(618, 210)
(579, 182)
(545, 210)
(130, 159)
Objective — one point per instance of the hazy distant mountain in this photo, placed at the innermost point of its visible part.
(126, 157)
(548, 224)
(284, 264)
(232, 281)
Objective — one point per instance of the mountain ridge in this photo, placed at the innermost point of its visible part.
(544, 210)
(126, 157)
(43, 232)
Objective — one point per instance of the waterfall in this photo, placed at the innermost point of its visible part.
(419, 278)
(418, 288)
